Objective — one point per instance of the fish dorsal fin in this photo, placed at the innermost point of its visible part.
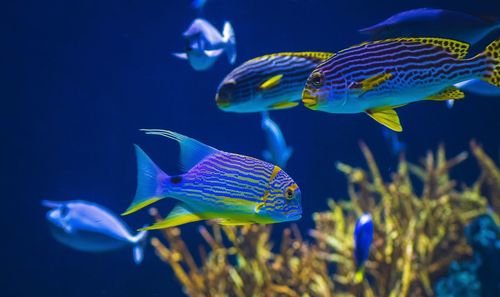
(386, 116)
(181, 214)
(283, 105)
(459, 49)
(316, 56)
(192, 151)
(271, 82)
(447, 94)
(372, 82)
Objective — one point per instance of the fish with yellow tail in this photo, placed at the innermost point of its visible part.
(229, 188)
(377, 77)
(268, 82)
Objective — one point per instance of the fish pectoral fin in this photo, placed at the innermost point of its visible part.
(283, 105)
(372, 82)
(271, 82)
(182, 56)
(386, 116)
(447, 94)
(181, 214)
(213, 53)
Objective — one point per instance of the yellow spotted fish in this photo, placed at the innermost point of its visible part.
(377, 77)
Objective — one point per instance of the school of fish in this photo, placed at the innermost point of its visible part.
(417, 55)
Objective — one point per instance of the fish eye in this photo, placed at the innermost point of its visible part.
(289, 193)
(317, 79)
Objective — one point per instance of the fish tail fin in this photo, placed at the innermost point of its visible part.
(492, 54)
(360, 275)
(230, 41)
(139, 244)
(151, 185)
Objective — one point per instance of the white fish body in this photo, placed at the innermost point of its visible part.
(278, 152)
(204, 44)
(89, 227)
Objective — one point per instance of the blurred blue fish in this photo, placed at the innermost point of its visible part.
(363, 237)
(396, 146)
(204, 44)
(277, 153)
(476, 87)
(432, 22)
(198, 4)
(89, 227)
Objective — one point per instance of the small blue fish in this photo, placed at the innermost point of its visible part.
(277, 153)
(363, 238)
(432, 22)
(89, 227)
(198, 4)
(204, 44)
(229, 188)
(392, 138)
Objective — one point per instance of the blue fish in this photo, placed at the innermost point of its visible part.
(363, 238)
(277, 153)
(229, 188)
(204, 44)
(432, 22)
(392, 138)
(89, 227)
(198, 4)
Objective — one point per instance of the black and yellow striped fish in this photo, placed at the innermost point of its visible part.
(376, 77)
(268, 82)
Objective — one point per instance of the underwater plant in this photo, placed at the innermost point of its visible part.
(419, 220)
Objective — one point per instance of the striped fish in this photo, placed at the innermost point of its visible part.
(229, 188)
(376, 77)
(268, 82)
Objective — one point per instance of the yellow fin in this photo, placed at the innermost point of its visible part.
(360, 275)
(230, 222)
(316, 56)
(492, 51)
(457, 48)
(373, 81)
(273, 81)
(264, 200)
(283, 105)
(178, 216)
(447, 94)
(387, 117)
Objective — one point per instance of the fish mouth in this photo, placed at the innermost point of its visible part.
(221, 102)
(309, 100)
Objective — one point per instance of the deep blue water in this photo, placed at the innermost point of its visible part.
(81, 77)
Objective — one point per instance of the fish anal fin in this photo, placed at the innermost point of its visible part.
(180, 215)
(447, 94)
(192, 151)
(386, 116)
(283, 105)
(271, 82)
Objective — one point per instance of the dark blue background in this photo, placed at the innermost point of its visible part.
(81, 77)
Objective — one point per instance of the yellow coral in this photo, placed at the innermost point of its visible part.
(417, 235)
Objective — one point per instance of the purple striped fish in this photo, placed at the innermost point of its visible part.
(229, 188)
(268, 82)
(376, 77)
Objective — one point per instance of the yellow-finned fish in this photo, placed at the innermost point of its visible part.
(376, 77)
(229, 188)
(268, 82)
